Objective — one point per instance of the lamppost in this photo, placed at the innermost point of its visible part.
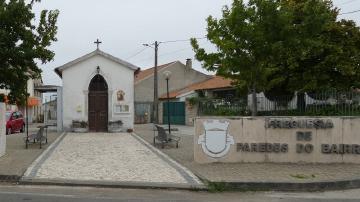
(167, 75)
(27, 115)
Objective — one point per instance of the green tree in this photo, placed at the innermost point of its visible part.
(322, 52)
(284, 46)
(23, 44)
(244, 38)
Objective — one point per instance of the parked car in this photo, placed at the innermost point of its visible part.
(14, 122)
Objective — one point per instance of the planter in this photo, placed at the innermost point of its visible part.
(79, 126)
(115, 130)
(80, 130)
(115, 126)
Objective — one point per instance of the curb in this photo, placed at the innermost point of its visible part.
(17, 178)
(10, 178)
(32, 169)
(111, 184)
(289, 186)
(185, 172)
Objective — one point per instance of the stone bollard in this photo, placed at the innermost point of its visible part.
(2, 129)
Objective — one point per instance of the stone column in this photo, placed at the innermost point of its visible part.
(2, 129)
(191, 112)
(59, 110)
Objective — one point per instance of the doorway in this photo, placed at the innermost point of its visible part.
(98, 104)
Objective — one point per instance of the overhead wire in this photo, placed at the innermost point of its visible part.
(183, 40)
(350, 12)
(167, 53)
(137, 53)
(347, 2)
(172, 52)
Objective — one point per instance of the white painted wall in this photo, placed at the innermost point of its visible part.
(76, 80)
(2, 130)
(30, 87)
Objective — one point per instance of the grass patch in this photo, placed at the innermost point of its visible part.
(218, 187)
(302, 176)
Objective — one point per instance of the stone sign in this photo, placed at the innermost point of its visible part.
(280, 139)
(2, 130)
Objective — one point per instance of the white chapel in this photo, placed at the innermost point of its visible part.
(98, 88)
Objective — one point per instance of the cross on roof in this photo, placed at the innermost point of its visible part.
(97, 42)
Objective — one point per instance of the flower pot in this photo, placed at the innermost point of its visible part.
(80, 130)
(115, 127)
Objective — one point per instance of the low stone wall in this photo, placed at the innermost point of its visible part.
(2, 130)
(277, 139)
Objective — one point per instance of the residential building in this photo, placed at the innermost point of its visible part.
(34, 101)
(183, 112)
(182, 75)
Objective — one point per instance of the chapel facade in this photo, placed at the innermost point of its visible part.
(98, 88)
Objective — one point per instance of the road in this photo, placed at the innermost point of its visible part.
(9, 193)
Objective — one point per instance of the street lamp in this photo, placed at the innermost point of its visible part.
(167, 75)
(27, 115)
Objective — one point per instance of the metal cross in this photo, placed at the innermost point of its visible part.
(97, 42)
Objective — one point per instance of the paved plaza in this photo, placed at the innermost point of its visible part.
(108, 157)
(17, 159)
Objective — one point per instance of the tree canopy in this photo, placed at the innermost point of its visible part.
(283, 46)
(23, 44)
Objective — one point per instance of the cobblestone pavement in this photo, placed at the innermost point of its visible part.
(119, 157)
(250, 172)
(17, 159)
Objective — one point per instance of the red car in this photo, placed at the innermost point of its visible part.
(14, 122)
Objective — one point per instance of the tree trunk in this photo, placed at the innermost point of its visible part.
(254, 101)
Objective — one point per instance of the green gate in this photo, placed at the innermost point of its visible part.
(177, 113)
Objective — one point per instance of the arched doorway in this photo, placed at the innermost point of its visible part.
(98, 104)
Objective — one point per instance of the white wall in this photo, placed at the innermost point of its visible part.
(2, 130)
(76, 82)
(30, 87)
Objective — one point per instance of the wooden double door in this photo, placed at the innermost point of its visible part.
(98, 104)
(98, 111)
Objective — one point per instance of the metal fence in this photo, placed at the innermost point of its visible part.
(143, 112)
(306, 104)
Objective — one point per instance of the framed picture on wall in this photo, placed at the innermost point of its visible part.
(119, 108)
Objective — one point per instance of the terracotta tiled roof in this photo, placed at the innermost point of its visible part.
(216, 82)
(150, 71)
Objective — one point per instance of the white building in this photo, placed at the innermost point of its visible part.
(34, 101)
(98, 88)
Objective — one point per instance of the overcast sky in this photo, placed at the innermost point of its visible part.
(124, 25)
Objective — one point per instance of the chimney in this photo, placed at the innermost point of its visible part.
(188, 63)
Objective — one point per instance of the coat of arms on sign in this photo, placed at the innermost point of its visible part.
(216, 140)
(120, 95)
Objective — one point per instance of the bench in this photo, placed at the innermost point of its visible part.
(164, 138)
(38, 137)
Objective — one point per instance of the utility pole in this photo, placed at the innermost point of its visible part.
(156, 103)
(156, 96)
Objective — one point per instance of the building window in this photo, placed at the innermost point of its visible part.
(121, 109)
